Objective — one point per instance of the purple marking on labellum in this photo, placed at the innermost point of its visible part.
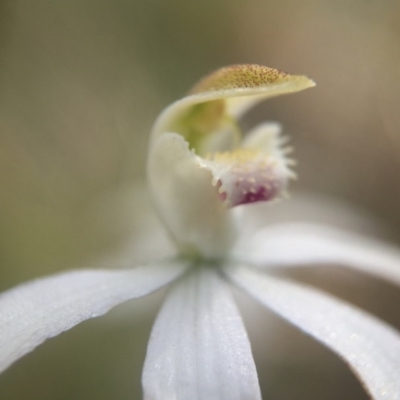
(246, 176)
(261, 194)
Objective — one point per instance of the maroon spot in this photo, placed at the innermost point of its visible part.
(262, 194)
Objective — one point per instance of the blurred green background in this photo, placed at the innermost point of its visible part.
(81, 84)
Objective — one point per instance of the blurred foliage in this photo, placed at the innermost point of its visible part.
(81, 83)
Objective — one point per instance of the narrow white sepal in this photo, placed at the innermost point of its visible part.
(43, 308)
(369, 346)
(199, 348)
(302, 244)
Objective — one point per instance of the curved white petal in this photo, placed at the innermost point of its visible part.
(43, 308)
(199, 347)
(306, 244)
(196, 218)
(369, 346)
(261, 136)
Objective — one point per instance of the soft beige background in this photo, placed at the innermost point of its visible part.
(81, 83)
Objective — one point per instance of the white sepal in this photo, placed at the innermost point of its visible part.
(43, 308)
(305, 244)
(199, 348)
(368, 345)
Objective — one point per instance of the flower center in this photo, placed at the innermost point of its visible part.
(201, 165)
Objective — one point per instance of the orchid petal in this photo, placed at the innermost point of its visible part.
(300, 244)
(266, 137)
(43, 308)
(199, 348)
(197, 218)
(261, 136)
(369, 346)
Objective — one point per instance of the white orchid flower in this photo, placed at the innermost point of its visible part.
(202, 172)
